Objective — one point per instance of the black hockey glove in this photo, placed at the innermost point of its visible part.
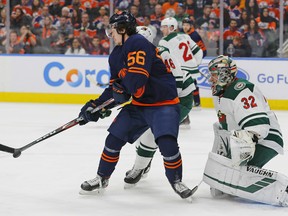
(86, 113)
(119, 93)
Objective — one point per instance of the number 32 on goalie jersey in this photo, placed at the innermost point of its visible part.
(248, 102)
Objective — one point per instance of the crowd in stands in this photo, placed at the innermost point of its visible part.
(78, 26)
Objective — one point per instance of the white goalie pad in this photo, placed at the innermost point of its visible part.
(247, 182)
(221, 144)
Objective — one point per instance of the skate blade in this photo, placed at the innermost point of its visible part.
(193, 190)
(93, 193)
(129, 186)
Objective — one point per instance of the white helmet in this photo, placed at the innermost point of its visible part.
(146, 32)
(170, 21)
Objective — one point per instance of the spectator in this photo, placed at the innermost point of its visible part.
(76, 18)
(60, 45)
(55, 8)
(149, 7)
(85, 41)
(36, 8)
(171, 5)
(252, 8)
(38, 21)
(76, 48)
(203, 21)
(96, 48)
(200, 7)
(256, 39)
(97, 22)
(18, 19)
(15, 46)
(65, 28)
(156, 19)
(190, 7)
(45, 35)
(243, 22)
(268, 25)
(102, 26)
(26, 6)
(28, 39)
(238, 47)
(134, 10)
(232, 31)
(180, 15)
(86, 26)
(234, 10)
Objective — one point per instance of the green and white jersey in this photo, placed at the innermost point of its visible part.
(184, 81)
(185, 50)
(243, 106)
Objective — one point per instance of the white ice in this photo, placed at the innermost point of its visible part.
(46, 178)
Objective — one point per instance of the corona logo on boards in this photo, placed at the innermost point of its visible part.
(56, 75)
(202, 81)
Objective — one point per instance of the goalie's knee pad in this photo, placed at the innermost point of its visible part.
(247, 182)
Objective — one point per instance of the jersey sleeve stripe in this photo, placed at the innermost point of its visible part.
(262, 114)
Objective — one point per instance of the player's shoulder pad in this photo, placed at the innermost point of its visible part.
(237, 87)
(162, 49)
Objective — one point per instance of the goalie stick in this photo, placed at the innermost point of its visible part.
(17, 151)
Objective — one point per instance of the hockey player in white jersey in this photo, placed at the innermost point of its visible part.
(146, 147)
(247, 137)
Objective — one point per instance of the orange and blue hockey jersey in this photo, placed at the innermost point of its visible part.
(143, 73)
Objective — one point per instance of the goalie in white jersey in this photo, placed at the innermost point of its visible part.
(247, 136)
(184, 83)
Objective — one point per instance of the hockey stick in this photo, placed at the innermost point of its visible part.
(17, 151)
(90, 78)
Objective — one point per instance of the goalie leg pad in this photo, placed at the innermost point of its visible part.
(247, 182)
(221, 144)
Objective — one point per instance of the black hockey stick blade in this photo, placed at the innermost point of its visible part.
(5, 148)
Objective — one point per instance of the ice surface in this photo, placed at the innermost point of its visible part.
(46, 178)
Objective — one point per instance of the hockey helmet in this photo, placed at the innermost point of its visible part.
(122, 20)
(170, 21)
(146, 32)
(226, 70)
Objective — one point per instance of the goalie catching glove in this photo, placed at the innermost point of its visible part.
(87, 115)
(242, 145)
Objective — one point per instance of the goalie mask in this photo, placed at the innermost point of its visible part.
(146, 32)
(222, 71)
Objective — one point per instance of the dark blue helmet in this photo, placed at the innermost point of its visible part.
(124, 20)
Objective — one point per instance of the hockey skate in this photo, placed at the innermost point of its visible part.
(185, 124)
(183, 191)
(133, 176)
(94, 186)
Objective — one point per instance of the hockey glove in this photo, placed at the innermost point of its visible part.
(119, 93)
(105, 113)
(242, 144)
(86, 113)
